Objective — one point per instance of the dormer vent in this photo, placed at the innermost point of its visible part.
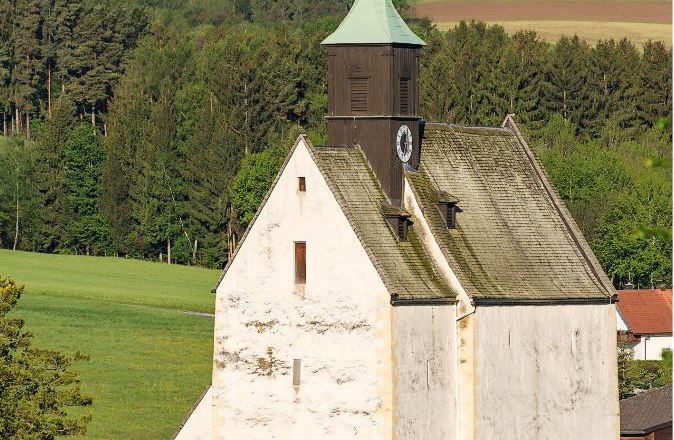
(398, 219)
(447, 205)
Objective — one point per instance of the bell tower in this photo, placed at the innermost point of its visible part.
(373, 90)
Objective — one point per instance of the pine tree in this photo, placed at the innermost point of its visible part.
(655, 83)
(566, 90)
(50, 172)
(211, 164)
(28, 72)
(530, 53)
(156, 189)
(88, 229)
(6, 61)
(613, 77)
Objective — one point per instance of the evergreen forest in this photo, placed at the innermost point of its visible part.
(152, 129)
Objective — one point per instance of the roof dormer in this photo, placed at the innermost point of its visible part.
(398, 219)
(447, 205)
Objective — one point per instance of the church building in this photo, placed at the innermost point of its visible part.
(412, 280)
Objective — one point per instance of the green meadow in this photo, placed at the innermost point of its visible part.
(149, 359)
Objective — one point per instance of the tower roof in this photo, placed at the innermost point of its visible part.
(373, 22)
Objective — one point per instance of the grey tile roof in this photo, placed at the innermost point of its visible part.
(515, 241)
(405, 267)
(647, 412)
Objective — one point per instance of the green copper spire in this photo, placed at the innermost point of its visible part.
(373, 22)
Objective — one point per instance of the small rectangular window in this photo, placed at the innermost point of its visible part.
(302, 183)
(300, 262)
(404, 96)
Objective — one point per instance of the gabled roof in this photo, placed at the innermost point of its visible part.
(405, 267)
(373, 22)
(647, 412)
(646, 311)
(514, 240)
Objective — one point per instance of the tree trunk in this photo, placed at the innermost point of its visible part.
(4, 123)
(28, 125)
(18, 120)
(16, 224)
(168, 252)
(194, 251)
(105, 129)
(93, 117)
(49, 92)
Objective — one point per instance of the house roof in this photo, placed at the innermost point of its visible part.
(646, 412)
(646, 311)
(373, 22)
(514, 240)
(405, 267)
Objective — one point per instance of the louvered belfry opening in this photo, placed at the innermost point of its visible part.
(404, 96)
(359, 92)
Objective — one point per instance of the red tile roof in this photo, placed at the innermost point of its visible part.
(646, 311)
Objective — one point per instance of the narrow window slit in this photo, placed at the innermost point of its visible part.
(300, 262)
(297, 366)
(302, 184)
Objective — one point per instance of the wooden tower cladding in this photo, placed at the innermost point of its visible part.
(372, 91)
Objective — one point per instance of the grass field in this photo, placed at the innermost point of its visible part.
(149, 364)
(590, 31)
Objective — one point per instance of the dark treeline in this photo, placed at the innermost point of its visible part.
(57, 48)
(193, 122)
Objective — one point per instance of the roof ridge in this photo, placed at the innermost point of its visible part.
(567, 218)
(477, 129)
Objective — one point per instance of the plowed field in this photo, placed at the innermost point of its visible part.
(636, 20)
(637, 12)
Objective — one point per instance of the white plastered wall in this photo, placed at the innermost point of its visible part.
(547, 372)
(651, 348)
(339, 325)
(461, 416)
(200, 424)
(424, 372)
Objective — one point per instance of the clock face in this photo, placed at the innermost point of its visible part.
(404, 143)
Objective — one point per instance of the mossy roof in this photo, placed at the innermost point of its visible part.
(373, 22)
(514, 239)
(405, 267)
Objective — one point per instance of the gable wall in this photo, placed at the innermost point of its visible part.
(339, 325)
(546, 372)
